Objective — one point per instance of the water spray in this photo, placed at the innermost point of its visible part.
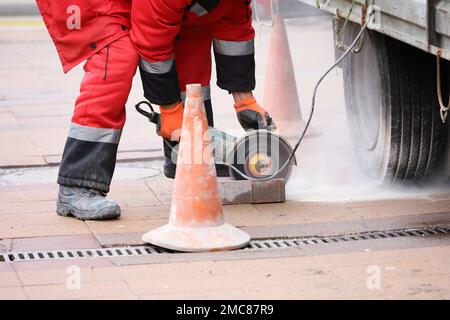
(260, 164)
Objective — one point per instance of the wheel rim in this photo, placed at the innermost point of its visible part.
(368, 95)
(261, 154)
(259, 165)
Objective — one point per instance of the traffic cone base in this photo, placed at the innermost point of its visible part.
(205, 239)
(196, 222)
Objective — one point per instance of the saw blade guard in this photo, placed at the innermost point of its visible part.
(261, 154)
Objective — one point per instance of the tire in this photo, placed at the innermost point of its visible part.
(393, 110)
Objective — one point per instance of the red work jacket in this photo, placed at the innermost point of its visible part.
(156, 23)
(80, 28)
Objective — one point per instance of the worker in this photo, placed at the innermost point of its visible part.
(96, 31)
(174, 40)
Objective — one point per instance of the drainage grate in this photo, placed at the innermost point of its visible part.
(372, 235)
(254, 245)
(81, 253)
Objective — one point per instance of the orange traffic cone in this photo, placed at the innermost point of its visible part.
(280, 94)
(196, 222)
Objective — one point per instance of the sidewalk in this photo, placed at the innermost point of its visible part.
(411, 269)
(36, 102)
(327, 196)
(319, 277)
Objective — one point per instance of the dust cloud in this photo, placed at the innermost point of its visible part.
(327, 167)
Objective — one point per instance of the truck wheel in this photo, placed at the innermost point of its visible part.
(393, 110)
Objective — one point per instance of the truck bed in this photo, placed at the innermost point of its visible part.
(424, 24)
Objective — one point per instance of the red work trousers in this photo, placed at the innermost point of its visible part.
(90, 153)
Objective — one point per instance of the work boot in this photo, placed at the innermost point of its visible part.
(85, 204)
(170, 168)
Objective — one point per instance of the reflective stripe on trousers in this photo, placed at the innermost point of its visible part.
(234, 48)
(159, 67)
(91, 134)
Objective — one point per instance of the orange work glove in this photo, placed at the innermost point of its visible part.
(171, 122)
(252, 116)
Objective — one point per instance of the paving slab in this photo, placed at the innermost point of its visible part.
(30, 210)
(85, 241)
(293, 278)
(347, 227)
(12, 293)
(133, 193)
(112, 290)
(293, 212)
(118, 239)
(124, 225)
(26, 266)
(59, 276)
(20, 231)
(233, 192)
(35, 207)
(6, 267)
(405, 273)
(234, 294)
(28, 193)
(9, 279)
(410, 207)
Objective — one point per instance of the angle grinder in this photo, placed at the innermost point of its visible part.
(258, 155)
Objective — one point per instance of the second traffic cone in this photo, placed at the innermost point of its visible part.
(196, 222)
(280, 92)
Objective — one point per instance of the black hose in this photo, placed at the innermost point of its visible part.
(313, 106)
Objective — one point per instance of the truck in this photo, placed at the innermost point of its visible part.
(396, 85)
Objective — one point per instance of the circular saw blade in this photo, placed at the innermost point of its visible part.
(261, 154)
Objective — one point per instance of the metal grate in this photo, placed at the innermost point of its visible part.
(269, 244)
(372, 235)
(81, 253)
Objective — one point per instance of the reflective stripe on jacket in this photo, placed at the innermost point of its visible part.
(157, 24)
